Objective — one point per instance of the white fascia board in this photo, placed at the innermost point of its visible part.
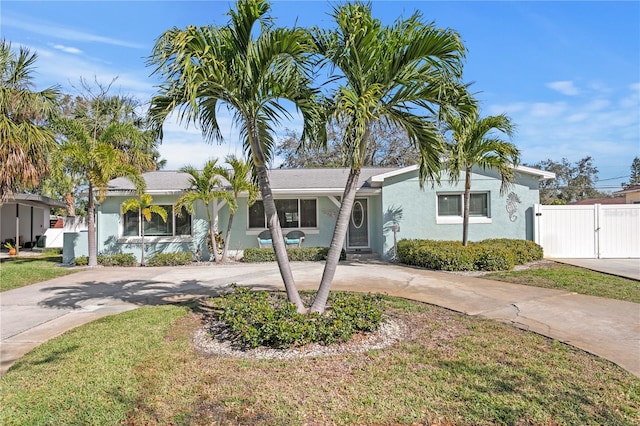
(542, 174)
(322, 191)
(129, 192)
(381, 177)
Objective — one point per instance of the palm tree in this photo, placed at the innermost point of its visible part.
(25, 138)
(206, 187)
(143, 205)
(473, 143)
(248, 66)
(239, 179)
(395, 74)
(101, 143)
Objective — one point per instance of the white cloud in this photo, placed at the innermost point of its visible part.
(565, 87)
(67, 49)
(55, 31)
(548, 110)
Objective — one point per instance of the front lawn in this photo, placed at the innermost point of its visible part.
(141, 367)
(570, 278)
(21, 271)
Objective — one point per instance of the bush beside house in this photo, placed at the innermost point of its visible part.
(486, 255)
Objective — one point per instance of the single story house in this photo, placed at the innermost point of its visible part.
(390, 205)
(631, 194)
(25, 218)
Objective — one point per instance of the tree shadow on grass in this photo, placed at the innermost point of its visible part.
(137, 292)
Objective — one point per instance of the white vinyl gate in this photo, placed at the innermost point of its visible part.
(589, 231)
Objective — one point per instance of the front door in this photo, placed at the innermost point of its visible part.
(358, 235)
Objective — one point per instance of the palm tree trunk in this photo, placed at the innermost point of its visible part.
(226, 238)
(212, 233)
(337, 242)
(142, 243)
(70, 203)
(277, 239)
(465, 206)
(91, 225)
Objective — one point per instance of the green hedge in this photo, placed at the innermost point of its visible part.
(264, 319)
(171, 259)
(120, 259)
(253, 255)
(487, 255)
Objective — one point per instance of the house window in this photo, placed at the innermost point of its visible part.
(175, 225)
(292, 213)
(450, 206)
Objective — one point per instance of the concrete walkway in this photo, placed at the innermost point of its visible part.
(36, 313)
(627, 268)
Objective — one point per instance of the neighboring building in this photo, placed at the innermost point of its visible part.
(631, 194)
(388, 199)
(601, 200)
(25, 217)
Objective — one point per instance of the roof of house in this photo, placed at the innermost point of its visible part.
(283, 181)
(601, 200)
(33, 200)
(634, 188)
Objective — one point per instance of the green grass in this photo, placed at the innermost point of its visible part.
(574, 279)
(90, 375)
(21, 271)
(141, 368)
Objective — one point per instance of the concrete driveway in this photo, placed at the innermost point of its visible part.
(36, 313)
(627, 268)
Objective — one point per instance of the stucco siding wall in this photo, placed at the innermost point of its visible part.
(415, 210)
(242, 237)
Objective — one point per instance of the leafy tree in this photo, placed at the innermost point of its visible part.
(387, 146)
(144, 206)
(634, 177)
(249, 66)
(141, 151)
(101, 141)
(239, 179)
(573, 182)
(25, 137)
(396, 74)
(474, 143)
(206, 187)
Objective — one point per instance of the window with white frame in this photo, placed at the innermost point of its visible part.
(292, 213)
(451, 205)
(176, 224)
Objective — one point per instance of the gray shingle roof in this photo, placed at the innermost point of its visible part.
(281, 179)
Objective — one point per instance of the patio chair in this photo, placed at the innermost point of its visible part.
(264, 239)
(294, 238)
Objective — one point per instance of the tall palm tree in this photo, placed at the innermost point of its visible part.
(25, 138)
(474, 143)
(99, 144)
(248, 66)
(397, 74)
(206, 187)
(145, 207)
(239, 179)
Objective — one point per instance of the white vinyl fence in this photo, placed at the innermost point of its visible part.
(589, 231)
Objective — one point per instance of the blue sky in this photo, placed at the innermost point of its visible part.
(567, 73)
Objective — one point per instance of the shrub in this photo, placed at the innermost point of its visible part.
(486, 258)
(119, 259)
(252, 255)
(523, 251)
(81, 261)
(488, 255)
(170, 259)
(263, 319)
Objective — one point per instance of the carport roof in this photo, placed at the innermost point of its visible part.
(33, 200)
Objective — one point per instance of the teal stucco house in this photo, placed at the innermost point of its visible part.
(390, 205)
